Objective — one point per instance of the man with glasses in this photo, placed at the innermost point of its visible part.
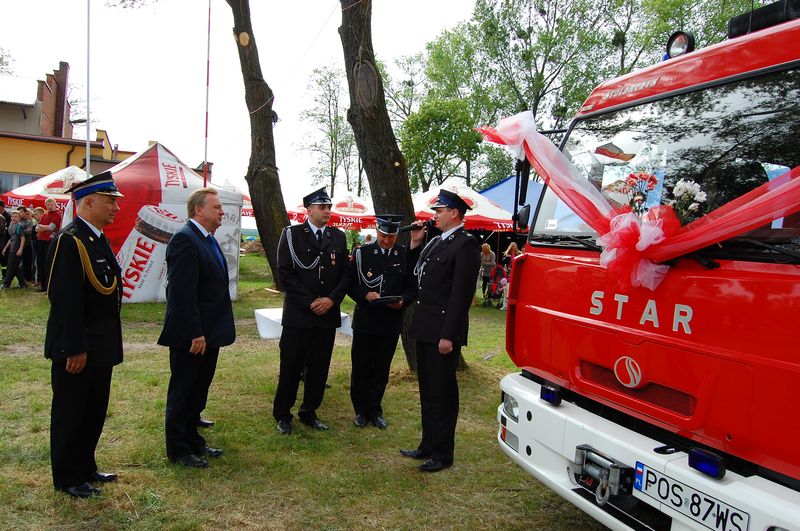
(314, 268)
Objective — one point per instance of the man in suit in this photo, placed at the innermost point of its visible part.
(198, 321)
(446, 273)
(84, 335)
(314, 267)
(382, 288)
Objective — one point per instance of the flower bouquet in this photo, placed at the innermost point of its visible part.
(687, 198)
(637, 185)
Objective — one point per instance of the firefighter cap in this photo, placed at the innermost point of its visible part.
(102, 183)
(388, 223)
(317, 197)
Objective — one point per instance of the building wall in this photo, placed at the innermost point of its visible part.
(20, 119)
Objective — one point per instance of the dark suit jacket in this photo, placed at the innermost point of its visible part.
(397, 280)
(448, 272)
(198, 298)
(330, 277)
(82, 319)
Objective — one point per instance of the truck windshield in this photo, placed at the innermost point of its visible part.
(721, 142)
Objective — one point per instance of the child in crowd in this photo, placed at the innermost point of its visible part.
(13, 250)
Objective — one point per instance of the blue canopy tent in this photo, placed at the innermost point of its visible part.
(502, 193)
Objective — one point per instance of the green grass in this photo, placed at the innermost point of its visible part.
(345, 478)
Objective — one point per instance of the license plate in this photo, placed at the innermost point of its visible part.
(700, 507)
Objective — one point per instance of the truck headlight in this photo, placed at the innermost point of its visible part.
(510, 406)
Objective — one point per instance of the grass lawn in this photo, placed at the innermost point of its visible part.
(345, 478)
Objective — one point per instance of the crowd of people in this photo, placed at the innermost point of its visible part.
(25, 235)
(84, 329)
(316, 271)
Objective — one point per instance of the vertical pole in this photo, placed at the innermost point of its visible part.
(88, 84)
(208, 76)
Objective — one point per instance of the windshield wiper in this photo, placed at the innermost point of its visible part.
(583, 240)
(774, 248)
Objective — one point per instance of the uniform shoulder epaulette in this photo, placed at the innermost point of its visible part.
(71, 229)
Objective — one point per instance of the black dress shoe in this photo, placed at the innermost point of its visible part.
(212, 452)
(191, 461)
(360, 421)
(284, 427)
(102, 477)
(315, 424)
(203, 423)
(415, 454)
(84, 490)
(432, 465)
(380, 423)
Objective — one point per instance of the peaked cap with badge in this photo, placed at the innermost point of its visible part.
(388, 223)
(448, 199)
(102, 183)
(317, 197)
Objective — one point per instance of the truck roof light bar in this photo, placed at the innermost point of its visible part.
(763, 17)
(707, 462)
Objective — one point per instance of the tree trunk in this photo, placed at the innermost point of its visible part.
(383, 162)
(262, 171)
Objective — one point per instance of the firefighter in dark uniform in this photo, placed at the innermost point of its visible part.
(446, 272)
(314, 267)
(382, 288)
(84, 335)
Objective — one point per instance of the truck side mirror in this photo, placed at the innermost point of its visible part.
(523, 217)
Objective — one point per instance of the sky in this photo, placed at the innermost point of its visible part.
(148, 68)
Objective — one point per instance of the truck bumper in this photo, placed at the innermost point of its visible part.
(543, 441)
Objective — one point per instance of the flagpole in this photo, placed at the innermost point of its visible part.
(208, 76)
(88, 100)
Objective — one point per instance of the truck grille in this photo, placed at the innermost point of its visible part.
(653, 393)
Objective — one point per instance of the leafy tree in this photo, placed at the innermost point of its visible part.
(437, 139)
(497, 165)
(706, 19)
(352, 167)
(532, 46)
(405, 92)
(327, 115)
(458, 68)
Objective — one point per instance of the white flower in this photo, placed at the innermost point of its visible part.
(700, 196)
(693, 207)
(680, 189)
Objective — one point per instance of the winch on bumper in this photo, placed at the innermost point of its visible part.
(624, 479)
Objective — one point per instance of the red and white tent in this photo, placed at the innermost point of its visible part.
(348, 212)
(156, 185)
(50, 186)
(485, 213)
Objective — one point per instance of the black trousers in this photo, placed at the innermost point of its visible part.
(191, 376)
(309, 350)
(14, 270)
(27, 262)
(77, 416)
(438, 395)
(41, 262)
(371, 356)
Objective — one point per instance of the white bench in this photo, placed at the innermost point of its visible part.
(268, 321)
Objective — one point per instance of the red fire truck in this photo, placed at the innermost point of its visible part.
(674, 407)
